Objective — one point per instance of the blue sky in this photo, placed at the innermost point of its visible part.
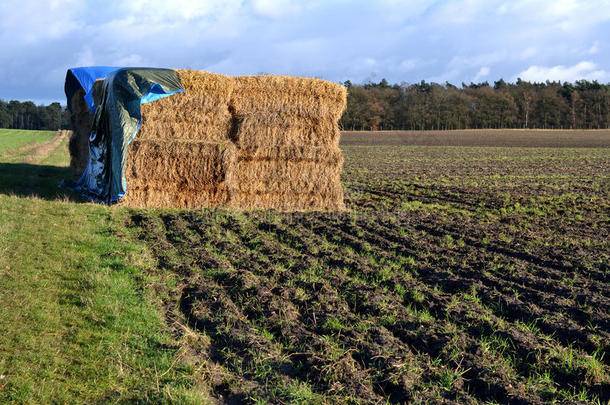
(337, 40)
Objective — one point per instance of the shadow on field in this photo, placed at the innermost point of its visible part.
(32, 180)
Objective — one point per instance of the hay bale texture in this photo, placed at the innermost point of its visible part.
(178, 173)
(287, 135)
(250, 142)
(200, 113)
(78, 145)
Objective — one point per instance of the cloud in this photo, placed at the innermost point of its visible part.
(582, 70)
(482, 73)
(28, 21)
(359, 40)
(276, 8)
(460, 12)
(185, 10)
(568, 15)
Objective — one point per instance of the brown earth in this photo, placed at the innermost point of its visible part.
(458, 275)
(483, 137)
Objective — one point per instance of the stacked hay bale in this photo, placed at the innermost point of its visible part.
(178, 173)
(287, 135)
(81, 120)
(182, 152)
(251, 142)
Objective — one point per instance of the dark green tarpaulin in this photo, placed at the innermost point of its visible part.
(117, 120)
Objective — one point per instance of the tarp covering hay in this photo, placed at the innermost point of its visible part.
(82, 122)
(251, 142)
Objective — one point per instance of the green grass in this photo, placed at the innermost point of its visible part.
(435, 286)
(58, 156)
(15, 138)
(77, 324)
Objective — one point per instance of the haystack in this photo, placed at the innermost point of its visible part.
(286, 111)
(286, 131)
(81, 120)
(178, 173)
(200, 113)
(252, 142)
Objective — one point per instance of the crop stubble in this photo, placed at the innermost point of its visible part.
(458, 274)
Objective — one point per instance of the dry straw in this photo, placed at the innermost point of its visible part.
(200, 113)
(295, 96)
(160, 171)
(286, 172)
(252, 142)
(150, 197)
(81, 120)
(256, 130)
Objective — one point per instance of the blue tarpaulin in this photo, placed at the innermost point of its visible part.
(116, 122)
(83, 78)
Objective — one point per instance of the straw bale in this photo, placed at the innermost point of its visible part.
(292, 176)
(173, 124)
(181, 174)
(82, 121)
(139, 196)
(212, 90)
(287, 169)
(295, 96)
(98, 91)
(188, 165)
(326, 155)
(251, 142)
(201, 112)
(253, 131)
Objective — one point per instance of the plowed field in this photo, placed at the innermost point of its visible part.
(467, 274)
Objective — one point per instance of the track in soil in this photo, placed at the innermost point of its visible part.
(429, 289)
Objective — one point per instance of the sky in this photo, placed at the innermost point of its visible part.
(337, 40)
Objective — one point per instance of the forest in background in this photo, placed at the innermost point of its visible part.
(27, 115)
(422, 106)
(432, 106)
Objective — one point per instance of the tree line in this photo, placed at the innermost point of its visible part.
(421, 106)
(432, 106)
(27, 115)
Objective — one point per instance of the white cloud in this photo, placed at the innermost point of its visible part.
(276, 8)
(31, 21)
(401, 40)
(582, 70)
(482, 73)
(177, 10)
(565, 15)
(131, 60)
(460, 12)
(400, 10)
(476, 60)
